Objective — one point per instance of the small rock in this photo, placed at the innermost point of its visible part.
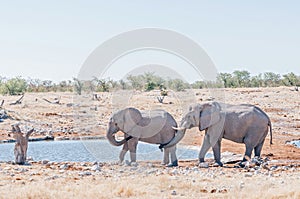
(203, 191)
(6, 168)
(285, 167)
(83, 164)
(213, 190)
(222, 190)
(133, 168)
(242, 185)
(51, 178)
(95, 168)
(270, 174)
(173, 193)
(45, 161)
(195, 169)
(170, 186)
(174, 172)
(64, 166)
(85, 173)
(22, 170)
(273, 168)
(249, 174)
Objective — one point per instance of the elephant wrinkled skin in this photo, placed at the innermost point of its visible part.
(155, 127)
(243, 123)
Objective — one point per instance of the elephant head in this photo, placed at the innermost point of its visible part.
(199, 115)
(123, 120)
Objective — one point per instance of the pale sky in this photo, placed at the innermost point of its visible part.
(52, 39)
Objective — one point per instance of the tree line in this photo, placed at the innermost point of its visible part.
(147, 82)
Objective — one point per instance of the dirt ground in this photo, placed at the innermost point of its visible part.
(77, 116)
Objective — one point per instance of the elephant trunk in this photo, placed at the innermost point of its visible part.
(178, 136)
(110, 135)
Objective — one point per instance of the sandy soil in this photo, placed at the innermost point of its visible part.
(77, 116)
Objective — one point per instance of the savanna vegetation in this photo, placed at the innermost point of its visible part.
(147, 82)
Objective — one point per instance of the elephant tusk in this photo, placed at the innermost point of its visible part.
(178, 128)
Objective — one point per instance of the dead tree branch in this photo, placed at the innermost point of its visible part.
(19, 101)
(161, 99)
(21, 145)
(96, 97)
(1, 105)
(56, 101)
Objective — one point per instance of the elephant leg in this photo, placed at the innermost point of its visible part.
(174, 161)
(132, 144)
(217, 152)
(123, 152)
(249, 149)
(258, 149)
(204, 148)
(166, 156)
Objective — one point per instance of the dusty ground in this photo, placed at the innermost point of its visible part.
(81, 116)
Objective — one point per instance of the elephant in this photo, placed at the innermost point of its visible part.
(243, 123)
(155, 127)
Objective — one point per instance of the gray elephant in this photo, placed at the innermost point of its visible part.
(155, 127)
(243, 123)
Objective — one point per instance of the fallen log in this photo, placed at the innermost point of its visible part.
(21, 145)
(19, 101)
(1, 105)
(56, 101)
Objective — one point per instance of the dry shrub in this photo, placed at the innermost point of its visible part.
(125, 192)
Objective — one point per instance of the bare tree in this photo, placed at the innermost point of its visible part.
(21, 145)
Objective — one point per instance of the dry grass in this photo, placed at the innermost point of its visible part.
(212, 184)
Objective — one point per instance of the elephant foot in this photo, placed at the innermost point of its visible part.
(173, 164)
(203, 165)
(242, 164)
(218, 164)
(134, 164)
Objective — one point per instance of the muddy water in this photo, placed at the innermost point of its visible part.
(89, 150)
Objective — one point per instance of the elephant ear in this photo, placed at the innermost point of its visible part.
(131, 118)
(209, 115)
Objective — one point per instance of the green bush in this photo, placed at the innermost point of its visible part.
(102, 85)
(177, 85)
(78, 86)
(150, 86)
(14, 86)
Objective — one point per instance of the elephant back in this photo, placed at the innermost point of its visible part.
(163, 122)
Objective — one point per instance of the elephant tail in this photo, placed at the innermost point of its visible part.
(270, 126)
(269, 123)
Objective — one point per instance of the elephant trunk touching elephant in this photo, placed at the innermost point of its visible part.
(177, 138)
(153, 127)
(243, 123)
